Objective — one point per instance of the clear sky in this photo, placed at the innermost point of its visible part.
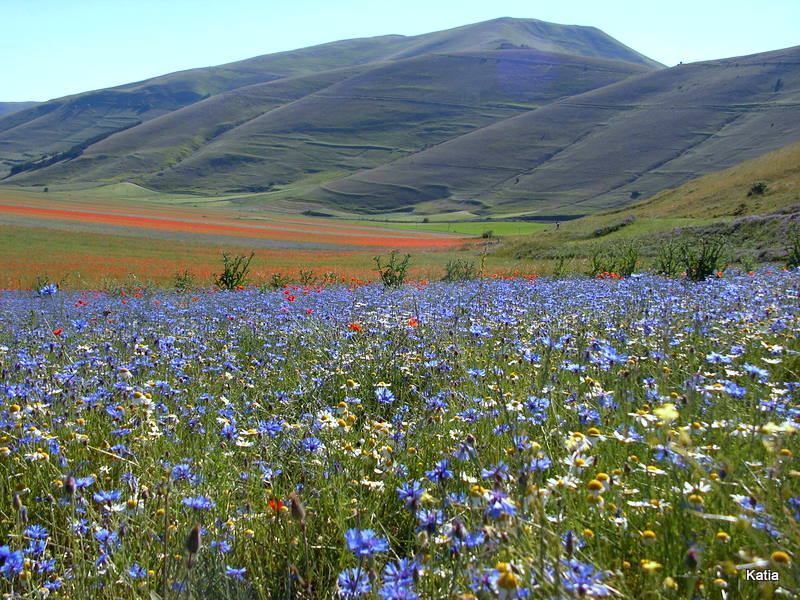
(51, 48)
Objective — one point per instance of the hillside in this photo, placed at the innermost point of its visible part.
(603, 148)
(6, 108)
(723, 202)
(328, 125)
(69, 125)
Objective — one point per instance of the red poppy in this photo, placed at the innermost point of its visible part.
(275, 504)
(412, 322)
(58, 331)
(354, 327)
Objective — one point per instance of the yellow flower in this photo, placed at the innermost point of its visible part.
(722, 537)
(649, 565)
(666, 412)
(780, 558)
(648, 536)
(595, 487)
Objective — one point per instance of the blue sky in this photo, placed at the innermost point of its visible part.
(51, 48)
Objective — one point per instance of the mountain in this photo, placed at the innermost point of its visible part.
(6, 108)
(602, 148)
(338, 107)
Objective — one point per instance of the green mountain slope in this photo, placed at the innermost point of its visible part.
(602, 148)
(68, 124)
(6, 108)
(330, 124)
(757, 223)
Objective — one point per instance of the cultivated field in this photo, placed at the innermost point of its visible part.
(522, 438)
(90, 237)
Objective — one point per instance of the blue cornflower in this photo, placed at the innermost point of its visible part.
(794, 502)
(136, 572)
(312, 444)
(364, 542)
(103, 496)
(411, 493)
(540, 463)
(395, 591)
(734, 390)
(198, 502)
(49, 290)
(354, 583)
(237, 574)
(429, 520)
(498, 471)
(181, 471)
(13, 562)
(475, 373)
(440, 472)
(403, 571)
(581, 580)
(761, 374)
(500, 505)
(37, 532)
(221, 546)
(716, 358)
(384, 395)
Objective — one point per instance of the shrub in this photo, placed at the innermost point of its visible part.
(459, 270)
(278, 281)
(627, 257)
(488, 234)
(793, 250)
(668, 259)
(702, 257)
(758, 188)
(234, 271)
(184, 280)
(306, 277)
(602, 261)
(393, 271)
(612, 228)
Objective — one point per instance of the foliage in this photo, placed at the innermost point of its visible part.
(702, 257)
(758, 188)
(603, 231)
(566, 439)
(793, 249)
(185, 280)
(392, 270)
(668, 258)
(234, 271)
(459, 270)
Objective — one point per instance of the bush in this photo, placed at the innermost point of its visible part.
(612, 228)
(758, 188)
(668, 259)
(393, 272)
(702, 257)
(488, 234)
(627, 257)
(277, 281)
(459, 270)
(793, 250)
(184, 281)
(306, 277)
(234, 271)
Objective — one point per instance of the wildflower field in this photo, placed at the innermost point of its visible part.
(507, 438)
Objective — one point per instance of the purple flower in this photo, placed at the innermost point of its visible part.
(237, 574)
(103, 496)
(440, 472)
(411, 494)
(353, 583)
(364, 542)
(198, 502)
(500, 505)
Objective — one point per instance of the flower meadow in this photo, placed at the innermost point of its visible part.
(506, 438)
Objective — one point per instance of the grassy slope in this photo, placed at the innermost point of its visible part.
(335, 123)
(6, 108)
(60, 124)
(593, 151)
(717, 203)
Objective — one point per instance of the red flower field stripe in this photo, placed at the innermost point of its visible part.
(166, 224)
